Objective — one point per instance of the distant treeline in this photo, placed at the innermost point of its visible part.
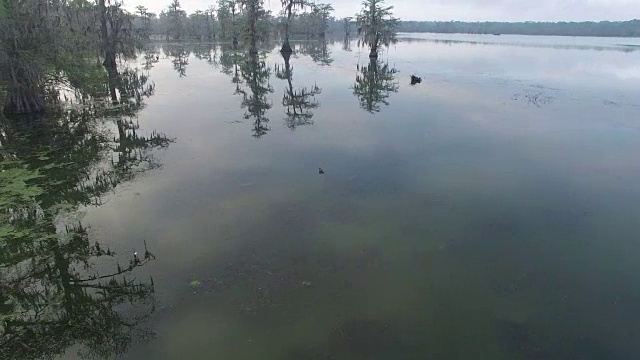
(603, 28)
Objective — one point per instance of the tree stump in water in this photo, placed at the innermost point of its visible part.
(286, 49)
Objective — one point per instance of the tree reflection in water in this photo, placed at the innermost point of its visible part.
(346, 44)
(255, 75)
(53, 294)
(298, 103)
(150, 56)
(179, 56)
(318, 51)
(374, 84)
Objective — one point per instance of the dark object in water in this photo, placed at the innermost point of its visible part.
(320, 171)
(415, 80)
(496, 34)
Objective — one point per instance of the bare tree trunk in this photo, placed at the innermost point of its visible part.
(374, 51)
(209, 27)
(108, 47)
(323, 31)
(374, 27)
(374, 47)
(253, 19)
(234, 28)
(113, 78)
(286, 47)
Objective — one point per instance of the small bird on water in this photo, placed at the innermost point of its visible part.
(320, 171)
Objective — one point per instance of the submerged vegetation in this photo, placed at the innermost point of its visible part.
(53, 294)
(76, 138)
(75, 77)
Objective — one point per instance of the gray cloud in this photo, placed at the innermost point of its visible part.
(465, 10)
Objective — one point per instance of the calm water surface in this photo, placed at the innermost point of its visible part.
(490, 212)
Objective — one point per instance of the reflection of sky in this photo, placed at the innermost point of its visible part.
(580, 42)
(458, 157)
(566, 69)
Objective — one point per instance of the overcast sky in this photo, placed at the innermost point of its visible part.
(465, 10)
